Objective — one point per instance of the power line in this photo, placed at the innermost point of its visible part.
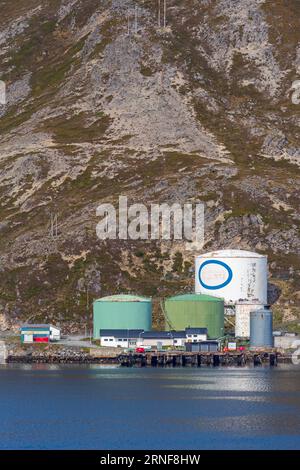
(133, 17)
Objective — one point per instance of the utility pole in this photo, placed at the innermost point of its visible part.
(159, 12)
(51, 227)
(53, 232)
(128, 22)
(106, 223)
(87, 298)
(136, 20)
(87, 306)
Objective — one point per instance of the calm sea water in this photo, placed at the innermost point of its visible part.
(90, 407)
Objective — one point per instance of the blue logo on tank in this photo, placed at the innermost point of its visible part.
(218, 286)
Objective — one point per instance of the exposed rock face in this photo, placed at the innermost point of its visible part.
(203, 110)
(4, 322)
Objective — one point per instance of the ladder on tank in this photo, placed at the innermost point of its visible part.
(167, 320)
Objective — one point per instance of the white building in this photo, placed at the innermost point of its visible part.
(55, 333)
(196, 335)
(139, 338)
(242, 317)
(3, 352)
(162, 338)
(287, 342)
(120, 338)
(39, 333)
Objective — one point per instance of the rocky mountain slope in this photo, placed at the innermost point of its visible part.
(100, 105)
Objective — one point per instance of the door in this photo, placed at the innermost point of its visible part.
(28, 338)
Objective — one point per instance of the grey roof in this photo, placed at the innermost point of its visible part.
(178, 334)
(151, 334)
(212, 341)
(39, 325)
(157, 335)
(163, 334)
(196, 331)
(35, 325)
(121, 333)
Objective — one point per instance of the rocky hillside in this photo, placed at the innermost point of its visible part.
(100, 105)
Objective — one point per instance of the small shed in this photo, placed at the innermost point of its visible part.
(39, 333)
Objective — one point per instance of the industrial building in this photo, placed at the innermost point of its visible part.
(163, 338)
(233, 275)
(120, 338)
(139, 338)
(122, 312)
(173, 338)
(226, 282)
(286, 341)
(194, 335)
(242, 317)
(203, 346)
(195, 310)
(39, 333)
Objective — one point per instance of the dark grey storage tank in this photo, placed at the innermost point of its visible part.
(261, 328)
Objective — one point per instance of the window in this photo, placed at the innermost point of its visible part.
(120, 339)
(105, 339)
(195, 336)
(175, 341)
(110, 339)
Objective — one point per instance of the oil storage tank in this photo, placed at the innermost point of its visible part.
(242, 317)
(129, 312)
(194, 310)
(233, 275)
(261, 328)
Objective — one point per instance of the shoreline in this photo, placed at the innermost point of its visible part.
(155, 359)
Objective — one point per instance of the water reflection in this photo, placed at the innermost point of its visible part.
(91, 406)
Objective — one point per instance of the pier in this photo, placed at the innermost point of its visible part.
(156, 359)
(199, 359)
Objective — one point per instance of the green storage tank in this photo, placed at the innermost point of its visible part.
(195, 310)
(129, 312)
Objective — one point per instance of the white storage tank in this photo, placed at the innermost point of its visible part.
(234, 275)
(242, 317)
